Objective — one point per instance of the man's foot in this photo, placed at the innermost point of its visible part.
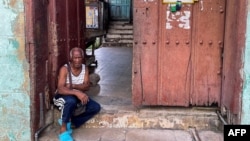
(65, 136)
(68, 126)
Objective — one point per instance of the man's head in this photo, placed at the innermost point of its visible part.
(76, 56)
(75, 49)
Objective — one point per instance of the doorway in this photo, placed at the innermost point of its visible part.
(114, 67)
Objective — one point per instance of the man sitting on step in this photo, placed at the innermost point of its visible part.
(73, 81)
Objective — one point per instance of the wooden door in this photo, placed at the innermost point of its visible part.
(66, 30)
(37, 54)
(119, 9)
(186, 61)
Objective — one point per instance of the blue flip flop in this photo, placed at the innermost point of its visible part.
(65, 136)
(68, 126)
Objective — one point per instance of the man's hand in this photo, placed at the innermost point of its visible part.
(82, 97)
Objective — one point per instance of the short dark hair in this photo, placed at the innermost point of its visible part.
(74, 49)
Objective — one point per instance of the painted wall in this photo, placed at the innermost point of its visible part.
(14, 80)
(245, 119)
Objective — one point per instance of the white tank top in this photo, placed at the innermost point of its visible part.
(77, 79)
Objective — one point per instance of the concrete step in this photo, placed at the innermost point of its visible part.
(127, 27)
(119, 40)
(119, 23)
(123, 36)
(114, 44)
(120, 31)
(156, 118)
(153, 118)
(158, 122)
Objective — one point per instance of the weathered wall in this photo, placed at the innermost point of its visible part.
(245, 119)
(14, 81)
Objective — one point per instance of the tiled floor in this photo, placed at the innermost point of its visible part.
(114, 67)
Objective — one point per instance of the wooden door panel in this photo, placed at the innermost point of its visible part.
(206, 54)
(145, 65)
(149, 52)
(136, 66)
(73, 21)
(175, 56)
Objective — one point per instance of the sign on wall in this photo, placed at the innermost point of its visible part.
(91, 17)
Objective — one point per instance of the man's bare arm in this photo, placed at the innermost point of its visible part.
(65, 90)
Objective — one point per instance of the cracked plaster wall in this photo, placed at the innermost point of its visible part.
(14, 80)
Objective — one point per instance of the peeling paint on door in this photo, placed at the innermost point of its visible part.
(180, 17)
(201, 5)
(149, 0)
